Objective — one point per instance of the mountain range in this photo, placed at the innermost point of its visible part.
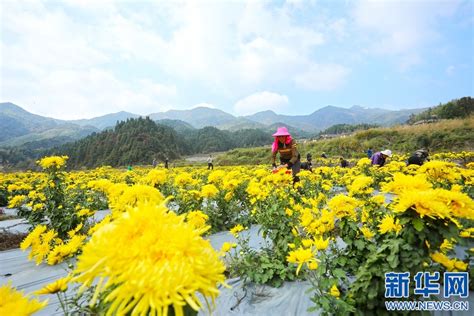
(22, 127)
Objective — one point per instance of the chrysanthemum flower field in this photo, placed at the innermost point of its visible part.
(340, 229)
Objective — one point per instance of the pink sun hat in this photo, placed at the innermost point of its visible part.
(281, 131)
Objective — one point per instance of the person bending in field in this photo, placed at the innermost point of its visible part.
(419, 157)
(380, 157)
(308, 165)
(285, 145)
(343, 162)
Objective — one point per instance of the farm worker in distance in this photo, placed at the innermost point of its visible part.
(369, 153)
(209, 163)
(286, 147)
(419, 157)
(344, 163)
(308, 165)
(379, 157)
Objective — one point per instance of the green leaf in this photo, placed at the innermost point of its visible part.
(312, 309)
(359, 244)
(418, 224)
(339, 273)
(393, 261)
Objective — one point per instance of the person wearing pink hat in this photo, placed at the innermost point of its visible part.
(285, 145)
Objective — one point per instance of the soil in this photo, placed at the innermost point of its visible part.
(4, 217)
(10, 240)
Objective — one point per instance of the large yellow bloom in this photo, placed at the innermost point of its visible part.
(53, 162)
(166, 262)
(13, 302)
(361, 185)
(216, 176)
(440, 170)
(403, 183)
(343, 205)
(450, 264)
(183, 179)
(436, 203)
(125, 197)
(197, 218)
(156, 177)
(209, 191)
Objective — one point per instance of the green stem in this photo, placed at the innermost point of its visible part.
(63, 306)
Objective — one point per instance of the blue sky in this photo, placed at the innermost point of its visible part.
(79, 59)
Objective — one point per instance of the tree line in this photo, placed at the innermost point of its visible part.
(138, 141)
(457, 108)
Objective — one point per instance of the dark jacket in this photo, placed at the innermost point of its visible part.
(344, 163)
(418, 158)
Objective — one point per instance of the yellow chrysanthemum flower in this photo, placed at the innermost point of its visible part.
(17, 201)
(165, 264)
(446, 246)
(389, 224)
(321, 243)
(13, 302)
(216, 176)
(209, 191)
(301, 256)
(53, 162)
(334, 291)
(197, 218)
(343, 205)
(227, 246)
(156, 177)
(402, 182)
(307, 243)
(33, 237)
(437, 203)
(126, 197)
(59, 285)
(367, 232)
(361, 185)
(450, 264)
(236, 229)
(467, 233)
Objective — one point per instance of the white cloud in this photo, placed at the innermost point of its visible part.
(450, 70)
(230, 48)
(261, 101)
(107, 53)
(322, 77)
(401, 28)
(72, 94)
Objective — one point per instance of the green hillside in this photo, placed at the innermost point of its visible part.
(455, 109)
(446, 135)
(136, 141)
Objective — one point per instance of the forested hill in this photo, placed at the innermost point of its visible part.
(140, 140)
(455, 109)
(134, 141)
